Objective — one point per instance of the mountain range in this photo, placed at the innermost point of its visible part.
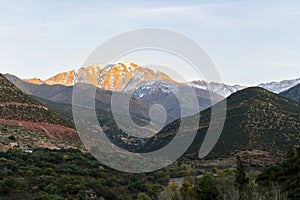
(147, 86)
(278, 87)
(125, 77)
(219, 88)
(226, 90)
(114, 77)
(260, 125)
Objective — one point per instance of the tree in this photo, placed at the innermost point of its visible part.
(206, 188)
(240, 178)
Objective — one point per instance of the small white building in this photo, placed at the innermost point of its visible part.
(29, 150)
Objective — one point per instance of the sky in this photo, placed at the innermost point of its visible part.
(250, 42)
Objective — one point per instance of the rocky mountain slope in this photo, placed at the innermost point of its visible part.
(127, 76)
(292, 93)
(88, 74)
(114, 77)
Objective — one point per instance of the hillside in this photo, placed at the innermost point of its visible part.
(15, 105)
(26, 116)
(293, 93)
(260, 126)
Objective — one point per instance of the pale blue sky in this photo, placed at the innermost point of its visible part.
(249, 41)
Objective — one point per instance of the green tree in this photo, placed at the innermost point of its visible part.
(206, 189)
(240, 178)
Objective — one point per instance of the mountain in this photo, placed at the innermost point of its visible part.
(146, 94)
(260, 126)
(278, 87)
(55, 93)
(66, 78)
(292, 93)
(218, 88)
(114, 77)
(63, 95)
(36, 81)
(152, 87)
(19, 111)
(167, 94)
(88, 74)
(59, 98)
(226, 90)
(127, 76)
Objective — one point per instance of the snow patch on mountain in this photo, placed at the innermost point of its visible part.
(278, 87)
(219, 88)
(155, 87)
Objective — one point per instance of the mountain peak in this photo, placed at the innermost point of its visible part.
(36, 81)
(88, 73)
(66, 78)
(219, 88)
(115, 77)
(127, 76)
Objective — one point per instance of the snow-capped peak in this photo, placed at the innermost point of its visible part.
(281, 86)
(219, 88)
